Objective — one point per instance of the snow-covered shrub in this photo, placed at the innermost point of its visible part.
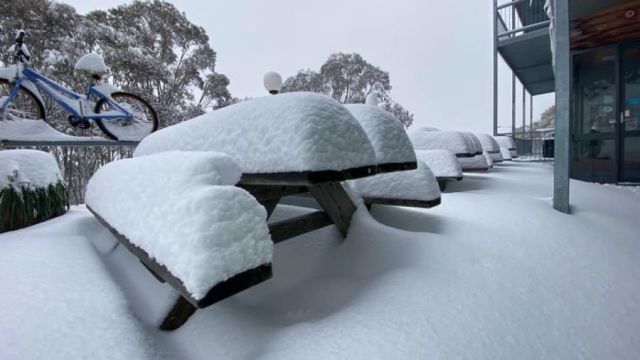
(31, 189)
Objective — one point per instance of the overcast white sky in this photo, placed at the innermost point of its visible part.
(439, 54)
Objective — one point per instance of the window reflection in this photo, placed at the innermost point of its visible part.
(595, 91)
(594, 160)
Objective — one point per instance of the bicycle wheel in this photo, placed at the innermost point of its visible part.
(144, 122)
(24, 106)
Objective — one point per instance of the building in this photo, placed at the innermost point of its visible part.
(596, 45)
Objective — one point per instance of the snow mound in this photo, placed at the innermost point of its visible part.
(478, 162)
(181, 209)
(287, 132)
(28, 169)
(385, 132)
(487, 142)
(506, 154)
(473, 142)
(92, 64)
(487, 157)
(490, 145)
(419, 184)
(443, 163)
(453, 141)
(505, 142)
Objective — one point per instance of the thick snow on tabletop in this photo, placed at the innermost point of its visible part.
(489, 144)
(419, 184)
(478, 162)
(181, 208)
(281, 133)
(487, 157)
(443, 163)
(473, 142)
(425, 139)
(506, 153)
(385, 132)
(505, 141)
(28, 169)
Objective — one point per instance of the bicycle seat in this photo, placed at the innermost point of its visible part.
(92, 64)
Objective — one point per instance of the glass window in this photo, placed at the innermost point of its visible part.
(631, 166)
(594, 160)
(595, 91)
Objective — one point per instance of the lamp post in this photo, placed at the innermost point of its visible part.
(272, 82)
(372, 99)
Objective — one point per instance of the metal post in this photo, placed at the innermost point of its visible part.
(524, 111)
(513, 105)
(563, 86)
(495, 67)
(513, 83)
(531, 116)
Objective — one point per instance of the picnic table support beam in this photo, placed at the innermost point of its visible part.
(335, 201)
(269, 205)
(290, 228)
(178, 315)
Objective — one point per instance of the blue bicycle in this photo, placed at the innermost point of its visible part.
(120, 115)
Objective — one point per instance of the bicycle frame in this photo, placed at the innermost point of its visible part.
(78, 105)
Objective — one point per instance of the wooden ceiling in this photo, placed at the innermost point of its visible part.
(617, 23)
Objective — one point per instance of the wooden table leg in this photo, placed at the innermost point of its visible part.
(335, 201)
(178, 315)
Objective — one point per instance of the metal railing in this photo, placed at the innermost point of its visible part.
(518, 17)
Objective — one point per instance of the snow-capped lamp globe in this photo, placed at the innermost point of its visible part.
(272, 82)
(372, 100)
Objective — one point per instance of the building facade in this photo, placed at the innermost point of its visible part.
(604, 100)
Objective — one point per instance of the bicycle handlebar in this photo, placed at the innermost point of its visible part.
(20, 36)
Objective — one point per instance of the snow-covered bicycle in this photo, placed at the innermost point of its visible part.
(120, 115)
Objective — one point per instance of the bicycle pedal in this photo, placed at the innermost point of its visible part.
(79, 123)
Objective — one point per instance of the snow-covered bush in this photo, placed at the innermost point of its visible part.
(31, 189)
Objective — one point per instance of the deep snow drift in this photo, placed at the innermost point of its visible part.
(492, 273)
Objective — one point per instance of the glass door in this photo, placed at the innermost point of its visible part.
(594, 115)
(630, 113)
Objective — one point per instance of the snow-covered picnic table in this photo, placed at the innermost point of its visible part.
(280, 145)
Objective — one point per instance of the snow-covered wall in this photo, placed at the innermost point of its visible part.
(183, 210)
(286, 132)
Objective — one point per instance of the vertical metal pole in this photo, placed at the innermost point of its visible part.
(513, 83)
(524, 111)
(495, 67)
(531, 124)
(513, 105)
(531, 116)
(563, 87)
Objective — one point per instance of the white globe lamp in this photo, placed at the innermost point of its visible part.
(272, 82)
(372, 99)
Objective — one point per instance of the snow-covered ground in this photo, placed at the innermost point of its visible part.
(492, 273)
